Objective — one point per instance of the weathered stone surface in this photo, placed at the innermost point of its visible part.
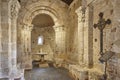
(48, 41)
(88, 49)
(71, 42)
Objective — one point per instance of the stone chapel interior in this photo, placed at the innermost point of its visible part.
(60, 39)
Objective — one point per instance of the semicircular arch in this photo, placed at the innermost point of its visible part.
(29, 16)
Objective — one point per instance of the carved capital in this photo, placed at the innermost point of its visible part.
(27, 27)
(31, 27)
(59, 28)
(81, 13)
(14, 8)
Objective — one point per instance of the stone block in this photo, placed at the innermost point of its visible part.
(95, 75)
(4, 64)
(4, 73)
(83, 75)
(4, 47)
(4, 55)
(43, 65)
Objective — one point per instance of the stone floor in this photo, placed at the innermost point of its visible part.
(49, 73)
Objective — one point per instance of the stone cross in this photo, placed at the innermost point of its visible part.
(101, 25)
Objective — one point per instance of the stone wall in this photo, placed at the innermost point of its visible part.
(48, 46)
(109, 10)
(80, 34)
(72, 38)
(5, 38)
(86, 40)
(26, 43)
(106, 8)
(72, 33)
(113, 64)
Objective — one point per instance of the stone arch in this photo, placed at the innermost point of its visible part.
(54, 8)
(28, 19)
(36, 9)
(56, 11)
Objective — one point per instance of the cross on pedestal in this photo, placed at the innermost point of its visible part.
(101, 25)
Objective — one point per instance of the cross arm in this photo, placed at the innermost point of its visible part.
(95, 25)
(108, 21)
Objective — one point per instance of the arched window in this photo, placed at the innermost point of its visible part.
(40, 40)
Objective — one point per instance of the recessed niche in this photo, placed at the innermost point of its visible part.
(95, 40)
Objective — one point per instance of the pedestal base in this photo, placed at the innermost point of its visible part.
(43, 65)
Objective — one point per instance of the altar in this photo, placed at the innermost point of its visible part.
(41, 62)
(42, 55)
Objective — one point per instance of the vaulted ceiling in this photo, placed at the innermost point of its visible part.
(68, 1)
(43, 20)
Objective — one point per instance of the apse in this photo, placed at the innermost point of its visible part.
(43, 20)
(43, 37)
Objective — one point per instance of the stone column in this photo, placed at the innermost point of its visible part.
(21, 45)
(90, 35)
(26, 36)
(88, 39)
(60, 39)
(60, 45)
(14, 9)
(85, 35)
(29, 54)
(80, 34)
(4, 58)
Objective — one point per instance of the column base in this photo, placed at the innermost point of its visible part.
(17, 74)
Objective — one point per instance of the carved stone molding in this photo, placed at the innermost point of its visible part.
(59, 28)
(31, 27)
(14, 8)
(81, 13)
(27, 27)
